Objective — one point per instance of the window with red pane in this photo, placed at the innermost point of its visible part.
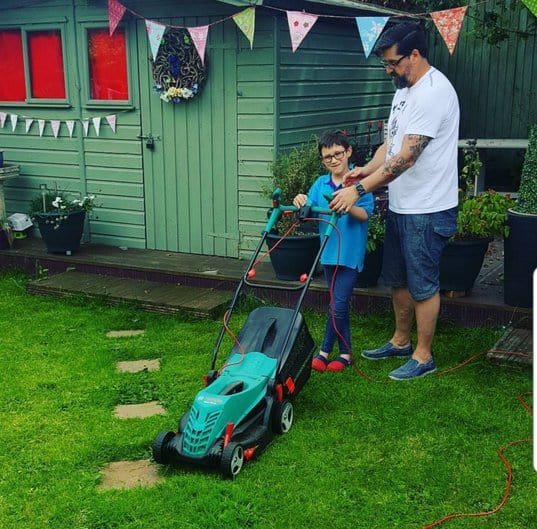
(108, 65)
(11, 66)
(46, 64)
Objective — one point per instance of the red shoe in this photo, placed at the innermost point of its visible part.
(339, 364)
(319, 363)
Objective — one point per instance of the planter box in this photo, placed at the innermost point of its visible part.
(65, 237)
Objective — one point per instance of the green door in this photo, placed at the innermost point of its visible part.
(190, 174)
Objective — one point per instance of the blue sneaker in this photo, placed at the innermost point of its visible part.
(388, 350)
(413, 369)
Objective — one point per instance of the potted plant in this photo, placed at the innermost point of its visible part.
(294, 171)
(60, 219)
(6, 238)
(520, 257)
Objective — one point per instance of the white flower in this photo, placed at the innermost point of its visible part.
(57, 202)
(187, 93)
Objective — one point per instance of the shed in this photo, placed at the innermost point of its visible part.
(177, 177)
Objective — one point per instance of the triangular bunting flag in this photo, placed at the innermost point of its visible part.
(299, 26)
(531, 5)
(70, 126)
(96, 124)
(115, 14)
(199, 36)
(85, 126)
(55, 124)
(29, 122)
(155, 32)
(41, 123)
(370, 29)
(111, 119)
(13, 118)
(246, 22)
(449, 24)
(3, 117)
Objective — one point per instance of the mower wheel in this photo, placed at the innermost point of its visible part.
(283, 415)
(159, 444)
(232, 460)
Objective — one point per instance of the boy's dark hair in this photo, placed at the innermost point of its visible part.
(407, 36)
(333, 137)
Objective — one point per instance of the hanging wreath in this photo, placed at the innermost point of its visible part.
(178, 71)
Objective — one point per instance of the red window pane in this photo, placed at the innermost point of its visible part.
(11, 66)
(108, 65)
(46, 64)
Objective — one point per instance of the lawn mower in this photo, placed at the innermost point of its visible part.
(249, 400)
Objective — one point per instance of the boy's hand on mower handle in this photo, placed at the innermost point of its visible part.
(300, 200)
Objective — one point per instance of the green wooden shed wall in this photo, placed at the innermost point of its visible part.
(199, 191)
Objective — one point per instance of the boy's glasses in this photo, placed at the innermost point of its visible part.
(337, 155)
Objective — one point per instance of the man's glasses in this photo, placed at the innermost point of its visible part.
(337, 155)
(392, 64)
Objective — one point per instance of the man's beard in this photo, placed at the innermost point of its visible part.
(400, 81)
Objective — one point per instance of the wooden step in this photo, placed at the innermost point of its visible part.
(149, 295)
(515, 346)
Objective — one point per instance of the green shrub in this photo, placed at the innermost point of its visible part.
(527, 193)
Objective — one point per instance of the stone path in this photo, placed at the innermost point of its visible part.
(141, 473)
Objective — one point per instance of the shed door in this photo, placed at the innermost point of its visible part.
(190, 175)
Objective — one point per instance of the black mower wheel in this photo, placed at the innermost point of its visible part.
(282, 420)
(161, 440)
(232, 460)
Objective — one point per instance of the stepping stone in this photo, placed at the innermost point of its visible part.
(139, 411)
(123, 334)
(129, 474)
(136, 366)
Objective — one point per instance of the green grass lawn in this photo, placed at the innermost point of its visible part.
(361, 455)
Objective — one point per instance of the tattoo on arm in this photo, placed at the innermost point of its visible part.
(398, 164)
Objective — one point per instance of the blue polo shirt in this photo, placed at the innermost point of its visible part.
(353, 233)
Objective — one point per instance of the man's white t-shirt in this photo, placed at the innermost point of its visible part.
(428, 108)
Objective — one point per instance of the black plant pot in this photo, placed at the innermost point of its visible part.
(461, 262)
(63, 237)
(520, 259)
(293, 256)
(369, 276)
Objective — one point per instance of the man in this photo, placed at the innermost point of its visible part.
(418, 161)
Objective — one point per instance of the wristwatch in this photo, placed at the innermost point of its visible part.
(360, 188)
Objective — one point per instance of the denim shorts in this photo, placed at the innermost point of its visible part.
(412, 249)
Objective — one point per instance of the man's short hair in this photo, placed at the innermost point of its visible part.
(333, 137)
(406, 35)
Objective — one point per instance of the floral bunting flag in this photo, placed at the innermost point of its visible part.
(155, 32)
(85, 126)
(370, 29)
(199, 37)
(13, 118)
(70, 126)
(3, 117)
(96, 124)
(299, 26)
(29, 122)
(449, 24)
(41, 123)
(111, 119)
(531, 5)
(115, 14)
(246, 22)
(55, 124)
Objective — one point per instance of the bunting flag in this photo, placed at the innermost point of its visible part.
(370, 29)
(115, 14)
(199, 37)
(531, 5)
(29, 122)
(3, 117)
(449, 24)
(299, 26)
(70, 126)
(96, 124)
(246, 22)
(55, 124)
(111, 119)
(85, 126)
(41, 123)
(13, 118)
(155, 32)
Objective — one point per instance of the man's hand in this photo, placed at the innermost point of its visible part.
(350, 178)
(344, 199)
